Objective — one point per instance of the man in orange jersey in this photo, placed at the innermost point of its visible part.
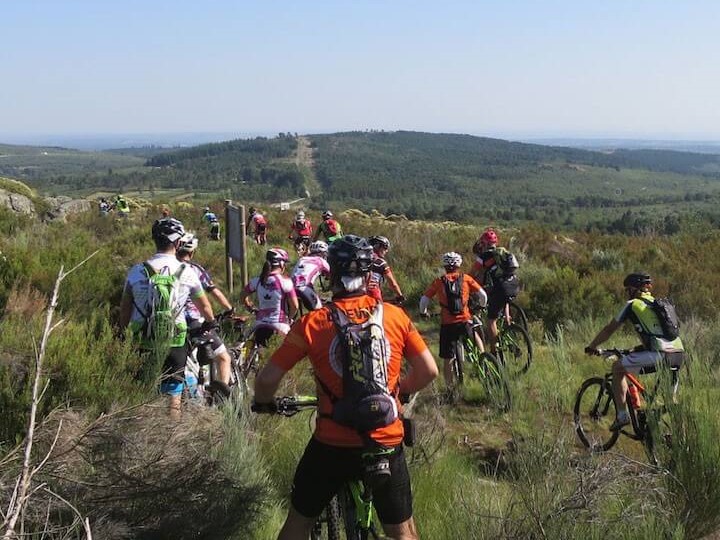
(334, 455)
(453, 291)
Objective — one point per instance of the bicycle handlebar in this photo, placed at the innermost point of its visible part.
(286, 405)
(606, 353)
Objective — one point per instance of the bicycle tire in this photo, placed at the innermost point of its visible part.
(494, 379)
(514, 349)
(218, 393)
(458, 363)
(593, 413)
(518, 315)
(330, 520)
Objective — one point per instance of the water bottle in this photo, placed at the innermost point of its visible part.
(635, 398)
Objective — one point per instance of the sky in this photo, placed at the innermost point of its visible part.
(514, 69)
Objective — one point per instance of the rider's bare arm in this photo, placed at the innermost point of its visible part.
(203, 304)
(221, 298)
(422, 372)
(267, 382)
(604, 334)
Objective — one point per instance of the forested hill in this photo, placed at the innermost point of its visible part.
(461, 177)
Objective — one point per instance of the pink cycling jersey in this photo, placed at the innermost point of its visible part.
(271, 298)
(308, 269)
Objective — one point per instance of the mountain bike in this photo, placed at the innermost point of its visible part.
(245, 363)
(470, 360)
(351, 509)
(514, 347)
(594, 410)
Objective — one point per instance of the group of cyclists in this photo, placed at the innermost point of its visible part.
(119, 205)
(355, 269)
(301, 229)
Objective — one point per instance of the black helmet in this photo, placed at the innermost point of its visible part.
(276, 255)
(350, 256)
(379, 241)
(637, 280)
(167, 229)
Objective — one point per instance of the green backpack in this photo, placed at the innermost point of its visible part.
(159, 327)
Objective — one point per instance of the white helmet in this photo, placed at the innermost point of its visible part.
(452, 259)
(318, 247)
(300, 215)
(189, 242)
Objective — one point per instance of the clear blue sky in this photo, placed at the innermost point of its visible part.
(615, 68)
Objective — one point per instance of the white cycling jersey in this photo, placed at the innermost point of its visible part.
(271, 298)
(308, 269)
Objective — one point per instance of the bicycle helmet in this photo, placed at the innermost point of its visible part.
(168, 230)
(379, 241)
(300, 215)
(637, 280)
(275, 256)
(327, 214)
(318, 247)
(206, 209)
(350, 256)
(452, 259)
(489, 237)
(189, 242)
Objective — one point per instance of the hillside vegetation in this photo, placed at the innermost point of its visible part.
(477, 473)
(421, 175)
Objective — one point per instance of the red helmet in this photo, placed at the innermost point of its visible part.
(489, 237)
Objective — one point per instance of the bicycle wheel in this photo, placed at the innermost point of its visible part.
(494, 379)
(514, 349)
(332, 519)
(593, 414)
(217, 393)
(458, 362)
(517, 315)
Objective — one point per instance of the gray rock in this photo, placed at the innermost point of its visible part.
(17, 203)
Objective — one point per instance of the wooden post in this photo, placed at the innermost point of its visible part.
(228, 260)
(243, 231)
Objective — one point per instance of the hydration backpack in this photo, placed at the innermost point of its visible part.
(667, 316)
(162, 307)
(331, 226)
(453, 293)
(367, 402)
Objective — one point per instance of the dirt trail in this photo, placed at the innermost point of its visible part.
(304, 160)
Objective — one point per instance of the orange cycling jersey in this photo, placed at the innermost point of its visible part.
(315, 336)
(469, 286)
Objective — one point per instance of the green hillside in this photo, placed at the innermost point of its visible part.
(422, 175)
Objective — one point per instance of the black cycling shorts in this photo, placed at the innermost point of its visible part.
(323, 469)
(505, 290)
(215, 344)
(449, 334)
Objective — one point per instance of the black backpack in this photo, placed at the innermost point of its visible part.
(667, 316)
(367, 402)
(453, 292)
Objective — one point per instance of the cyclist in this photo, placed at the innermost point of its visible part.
(495, 267)
(301, 228)
(334, 454)
(455, 316)
(104, 206)
(196, 330)
(258, 224)
(329, 228)
(307, 270)
(277, 300)
(122, 206)
(135, 307)
(380, 270)
(213, 223)
(654, 348)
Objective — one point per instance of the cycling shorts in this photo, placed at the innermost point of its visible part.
(260, 229)
(449, 334)
(172, 379)
(639, 362)
(309, 298)
(264, 331)
(504, 291)
(216, 346)
(323, 469)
